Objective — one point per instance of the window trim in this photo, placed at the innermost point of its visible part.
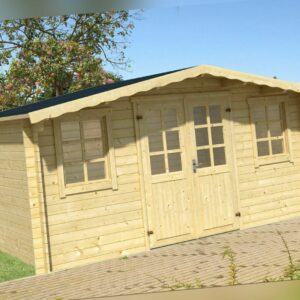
(89, 186)
(276, 158)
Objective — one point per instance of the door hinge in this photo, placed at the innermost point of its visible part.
(238, 214)
(150, 232)
(228, 109)
(139, 117)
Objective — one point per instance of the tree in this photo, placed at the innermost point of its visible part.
(49, 56)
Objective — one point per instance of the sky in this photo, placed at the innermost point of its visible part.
(260, 37)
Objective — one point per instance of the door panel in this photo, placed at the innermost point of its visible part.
(213, 176)
(164, 165)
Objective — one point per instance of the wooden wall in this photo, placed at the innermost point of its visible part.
(15, 218)
(91, 226)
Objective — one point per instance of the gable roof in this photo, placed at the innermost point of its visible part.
(73, 102)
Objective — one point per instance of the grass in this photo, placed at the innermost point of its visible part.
(177, 285)
(13, 268)
(232, 267)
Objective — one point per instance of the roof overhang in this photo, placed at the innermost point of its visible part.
(147, 85)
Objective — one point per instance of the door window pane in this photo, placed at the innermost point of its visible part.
(156, 142)
(277, 146)
(174, 160)
(258, 113)
(172, 138)
(275, 129)
(273, 111)
(219, 156)
(200, 115)
(92, 129)
(261, 130)
(217, 135)
(96, 170)
(201, 137)
(263, 148)
(203, 156)
(153, 121)
(170, 118)
(215, 114)
(157, 164)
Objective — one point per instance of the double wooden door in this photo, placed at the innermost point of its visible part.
(187, 165)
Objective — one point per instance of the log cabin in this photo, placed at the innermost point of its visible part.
(138, 164)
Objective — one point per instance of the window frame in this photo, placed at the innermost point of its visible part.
(110, 182)
(273, 158)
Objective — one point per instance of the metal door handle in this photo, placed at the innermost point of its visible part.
(195, 165)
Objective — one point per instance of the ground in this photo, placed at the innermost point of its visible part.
(260, 255)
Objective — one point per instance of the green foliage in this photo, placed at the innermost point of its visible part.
(179, 284)
(292, 271)
(49, 56)
(232, 266)
(13, 268)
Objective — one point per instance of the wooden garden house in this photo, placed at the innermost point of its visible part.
(129, 166)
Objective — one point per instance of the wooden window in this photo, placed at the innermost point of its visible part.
(85, 153)
(268, 119)
(209, 134)
(164, 140)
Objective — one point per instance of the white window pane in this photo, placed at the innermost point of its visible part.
(219, 156)
(200, 117)
(263, 148)
(157, 164)
(172, 138)
(72, 151)
(70, 130)
(92, 129)
(261, 130)
(215, 114)
(93, 149)
(201, 136)
(277, 146)
(203, 158)
(155, 141)
(217, 135)
(96, 170)
(74, 173)
(174, 161)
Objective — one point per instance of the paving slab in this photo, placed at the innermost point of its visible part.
(260, 255)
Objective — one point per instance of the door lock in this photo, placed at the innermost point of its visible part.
(150, 232)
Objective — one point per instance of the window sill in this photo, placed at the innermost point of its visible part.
(87, 187)
(265, 161)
